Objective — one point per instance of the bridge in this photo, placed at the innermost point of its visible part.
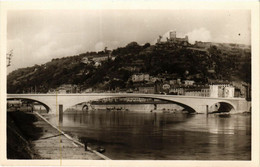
(191, 103)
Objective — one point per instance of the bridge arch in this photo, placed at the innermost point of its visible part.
(185, 106)
(31, 100)
(85, 108)
(222, 106)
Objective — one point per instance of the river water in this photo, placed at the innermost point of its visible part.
(129, 135)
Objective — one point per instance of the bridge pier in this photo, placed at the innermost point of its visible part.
(60, 113)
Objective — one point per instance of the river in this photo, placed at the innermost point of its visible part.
(129, 135)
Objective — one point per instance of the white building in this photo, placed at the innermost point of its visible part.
(173, 82)
(166, 86)
(221, 90)
(176, 91)
(213, 91)
(229, 92)
(97, 64)
(178, 81)
(100, 58)
(85, 60)
(188, 82)
(140, 77)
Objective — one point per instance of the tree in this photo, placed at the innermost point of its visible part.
(146, 45)
(246, 75)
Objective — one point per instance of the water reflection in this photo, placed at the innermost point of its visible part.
(135, 135)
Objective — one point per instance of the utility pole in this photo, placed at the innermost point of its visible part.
(9, 57)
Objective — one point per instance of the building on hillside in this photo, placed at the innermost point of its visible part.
(67, 88)
(140, 77)
(62, 91)
(188, 82)
(178, 81)
(211, 70)
(222, 90)
(166, 86)
(112, 57)
(204, 92)
(193, 93)
(85, 60)
(173, 38)
(97, 58)
(172, 35)
(172, 41)
(240, 88)
(88, 90)
(176, 91)
(97, 64)
(149, 89)
(163, 87)
(100, 58)
(173, 82)
(154, 79)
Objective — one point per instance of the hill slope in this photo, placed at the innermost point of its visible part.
(180, 61)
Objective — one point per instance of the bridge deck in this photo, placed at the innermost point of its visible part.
(191, 103)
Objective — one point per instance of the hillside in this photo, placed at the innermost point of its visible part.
(177, 61)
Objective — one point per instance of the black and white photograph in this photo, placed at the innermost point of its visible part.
(139, 84)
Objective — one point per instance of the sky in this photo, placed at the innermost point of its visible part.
(37, 36)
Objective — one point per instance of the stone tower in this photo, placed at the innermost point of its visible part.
(172, 35)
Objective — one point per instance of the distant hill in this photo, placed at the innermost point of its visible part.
(182, 61)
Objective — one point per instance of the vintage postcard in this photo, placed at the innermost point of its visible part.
(113, 83)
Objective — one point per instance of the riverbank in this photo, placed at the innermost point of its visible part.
(30, 136)
(20, 133)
